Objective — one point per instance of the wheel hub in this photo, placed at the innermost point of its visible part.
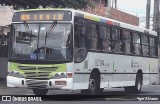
(92, 85)
(139, 85)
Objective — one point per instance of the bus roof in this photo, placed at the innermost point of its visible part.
(115, 22)
(100, 19)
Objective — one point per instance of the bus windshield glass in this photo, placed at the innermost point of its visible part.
(43, 42)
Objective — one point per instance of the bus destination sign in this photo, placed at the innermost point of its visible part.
(42, 16)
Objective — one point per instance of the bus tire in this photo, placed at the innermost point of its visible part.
(94, 85)
(138, 85)
(40, 91)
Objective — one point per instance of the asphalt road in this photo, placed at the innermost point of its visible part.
(84, 102)
(146, 90)
(109, 96)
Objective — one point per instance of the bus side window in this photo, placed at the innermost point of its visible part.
(105, 40)
(80, 35)
(80, 40)
(92, 36)
(145, 45)
(116, 40)
(136, 44)
(126, 41)
(153, 47)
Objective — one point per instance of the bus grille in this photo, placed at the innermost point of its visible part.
(31, 83)
(37, 75)
(37, 72)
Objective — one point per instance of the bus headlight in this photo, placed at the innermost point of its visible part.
(12, 73)
(63, 75)
(59, 75)
(15, 74)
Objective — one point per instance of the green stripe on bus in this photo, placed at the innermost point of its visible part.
(96, 19)
(42, 9)
(113, 65)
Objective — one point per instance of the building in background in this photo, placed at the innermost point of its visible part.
(6, 14)
(107, 8)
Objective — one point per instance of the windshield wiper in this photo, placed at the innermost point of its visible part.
(48, 32)
(28, 30)
(26, 26)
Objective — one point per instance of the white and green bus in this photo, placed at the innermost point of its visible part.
(75, 50)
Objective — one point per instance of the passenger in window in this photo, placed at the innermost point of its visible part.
(93, 43)
(137, 49)
(127, 48)
(93, 36)
(117, 47)
(145, 50)
(106, 45)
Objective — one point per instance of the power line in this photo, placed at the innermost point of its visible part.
(11, 9)
(27, 3)
(12, 3)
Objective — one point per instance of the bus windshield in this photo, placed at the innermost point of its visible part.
(43, 42)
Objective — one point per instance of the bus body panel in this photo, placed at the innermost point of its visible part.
(153, 78)
(117, 70)
(37, 83)
(39, 73)
(81, 75)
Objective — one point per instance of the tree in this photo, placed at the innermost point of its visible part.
(30, 4)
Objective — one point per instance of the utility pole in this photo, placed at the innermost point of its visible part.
(156, 27)
(115, 4)
(156, 16)
(148, 13)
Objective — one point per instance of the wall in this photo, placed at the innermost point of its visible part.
(100, 9)
(122, 16)
(6, 14)
(3, 68)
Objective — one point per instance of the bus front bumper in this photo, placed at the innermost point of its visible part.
(63, 83)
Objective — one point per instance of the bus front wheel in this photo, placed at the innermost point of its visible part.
(40, 91)
(94, 85)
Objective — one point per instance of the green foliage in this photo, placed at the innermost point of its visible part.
(30, 4)
(77, 4)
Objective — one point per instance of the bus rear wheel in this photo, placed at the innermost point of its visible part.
(137, 87)
(40, 91)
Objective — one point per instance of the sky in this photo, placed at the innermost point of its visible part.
(137, 8)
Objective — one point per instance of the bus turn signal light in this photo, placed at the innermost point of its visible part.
(69, 75)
